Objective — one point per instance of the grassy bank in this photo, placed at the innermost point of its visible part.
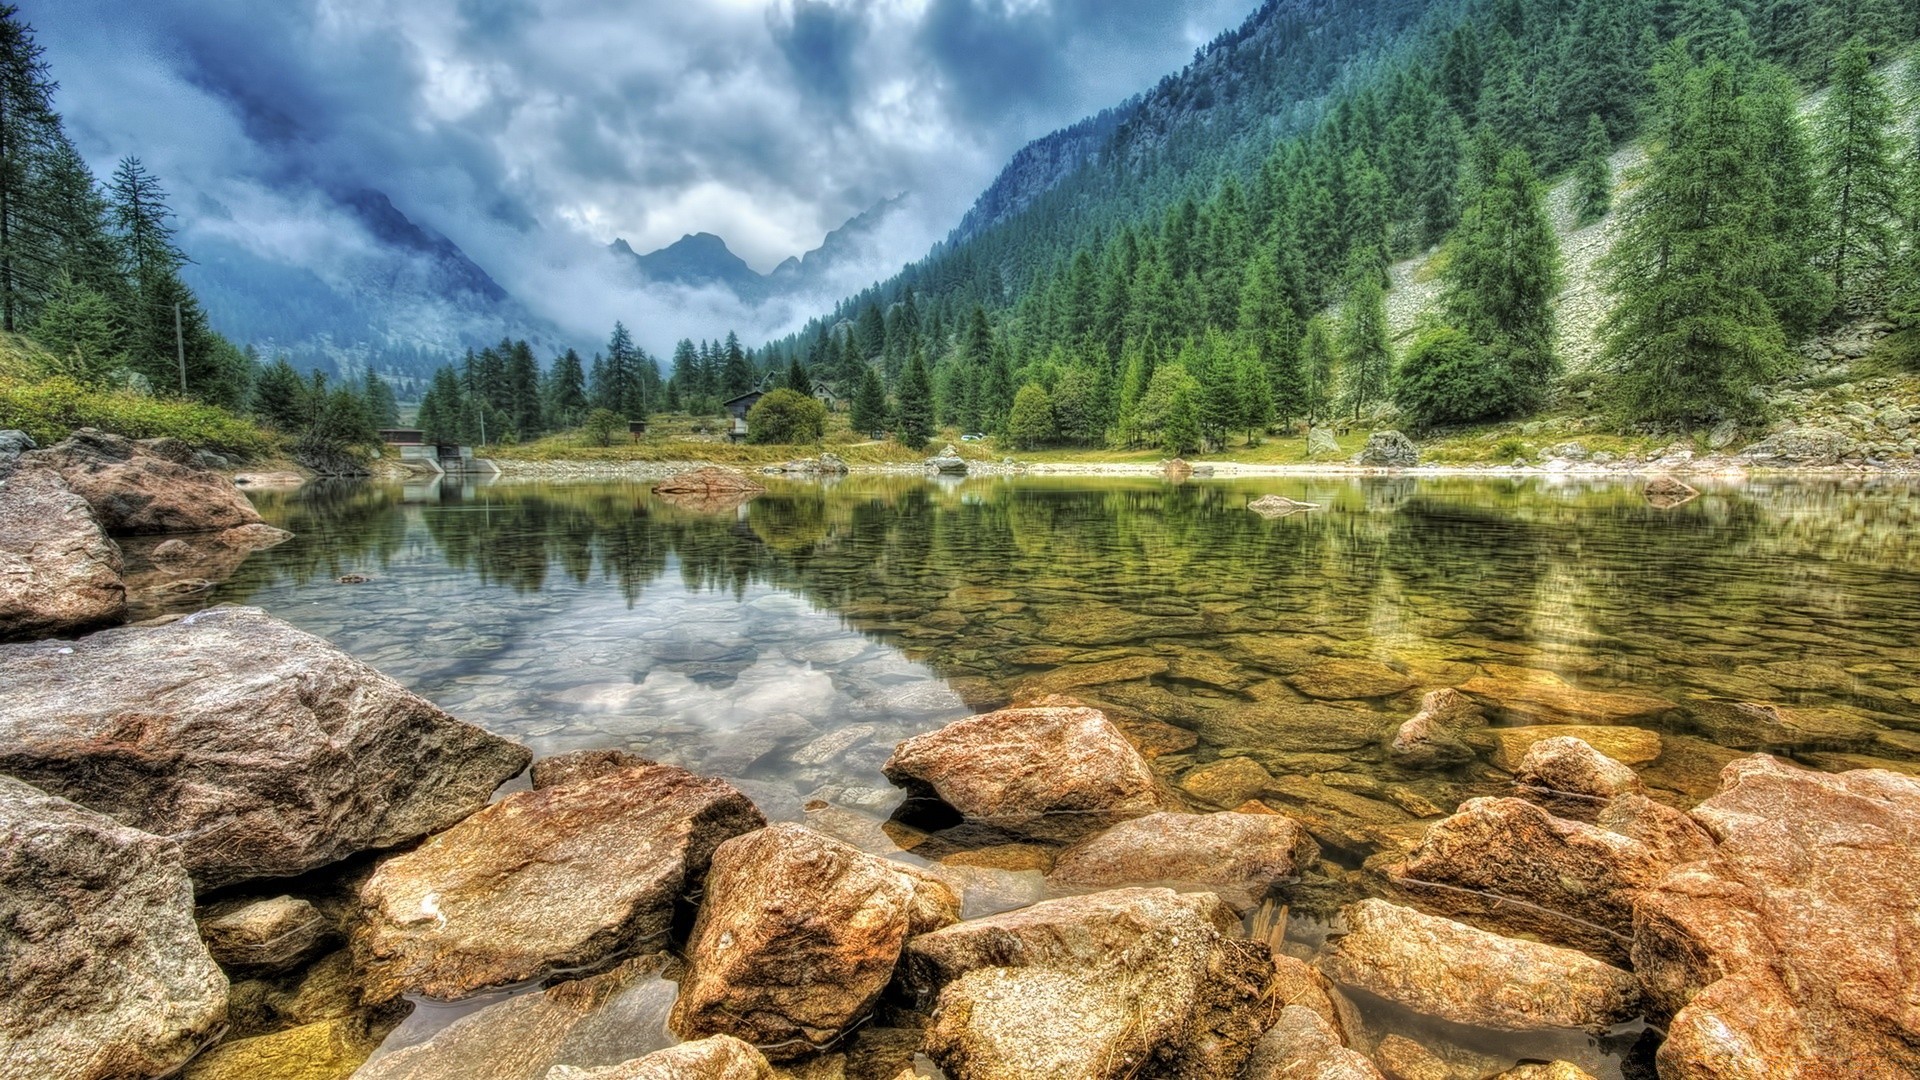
(48, 405)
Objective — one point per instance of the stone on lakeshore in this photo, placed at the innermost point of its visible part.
(1301, 1046)
(1427, 740)
(1296, 982)
(1094, 986)
(326, 1050)
(1812, 447)
(1273, 506)
(1673, 836)
(1321, 443)
(721, 1057)
(1552, 1070)
(1572, 779)
(1348, 680)
(106, 978)
(59, 574)
(1227, 783)
(1788, 952)
(1508, 747)
(1664, 493)
(1527, 701)
(12, 445)
(263, 750)
(1051, 772)
(1453, 971)
(160, 568)
(797, 936)
(1388, 450)
(150, 486)
(948, 461)
(597, 1021)
(1178, 471)
(1242, 857)
(263, 937)
(1509, 864)
(559, 879)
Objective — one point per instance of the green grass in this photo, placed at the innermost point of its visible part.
(49, 406)
(669, 438)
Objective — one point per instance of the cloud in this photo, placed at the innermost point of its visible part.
(533, 132)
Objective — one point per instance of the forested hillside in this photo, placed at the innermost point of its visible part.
(1213, 257)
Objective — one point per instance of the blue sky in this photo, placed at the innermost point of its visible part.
(534, 131)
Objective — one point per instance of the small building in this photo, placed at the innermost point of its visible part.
(737, 410)
(826, 397)
(403, 436)
(635, 429)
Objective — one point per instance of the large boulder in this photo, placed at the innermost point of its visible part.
(721, 1057)
(797, 936)
(59, 574)
(1240, 856)
(1802, 448)
(105, 975)
(1108, 985)
(12, 445)
(1509, 864)
(150, 486)
(1388, 450)
(1789, 952)
(567, 878)
(264, 751)
(1446, 969)
(1302, 1046)
(263, 937)
(708, 480)
(1572, 779)
(948, 461)
(1050, 772)
(1321, 443)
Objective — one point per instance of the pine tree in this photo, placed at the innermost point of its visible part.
(797, 380)
(869, 408)
(280, 397)
(1593, 183)
(736, 375)
(1318, 360)
(522, 377)
(913, 420)
(81, 327)
(566, 392)
(1272, 339)
(1499, 284)
(1691, 332)
(1858, 186)
(1799, 292)
(140, 215)
(382, 410)
(1180, 429)
(1364, 350)
(28, 129)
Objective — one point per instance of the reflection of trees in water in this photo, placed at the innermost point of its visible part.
(337, 528)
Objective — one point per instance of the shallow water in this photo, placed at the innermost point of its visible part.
(790, 643)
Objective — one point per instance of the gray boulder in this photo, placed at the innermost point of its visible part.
(1321, 443)
(12, 445)
(59, 574)
(1806, 447)
(1389, 450)
(264, 751)
(948, 461)
(105, 975)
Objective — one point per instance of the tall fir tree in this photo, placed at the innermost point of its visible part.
(1365, 352)
(1593, 180)
(1499, 283)
(1858, 184)
(913, 417)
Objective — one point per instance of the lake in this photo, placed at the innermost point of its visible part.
(790, 643)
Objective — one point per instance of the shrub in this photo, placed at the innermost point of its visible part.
(49, 409)
(786, 418)
(1447, 379)
(600, 426)
(1031, 425)
(1510, 448)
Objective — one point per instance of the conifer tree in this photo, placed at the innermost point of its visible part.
(1030, 422)
(1318, 360)
(797, 380)
(522, 377)
(1858, 186)
(736, 375)
(566, 391)
(913, 420)
(81, 327)
(1799, 292)
(382, 410)
(1499, 284)
(869, 408)
(1593, 187)
(280, 397)
(1272, 339)
(28, 130)
(1364, 350)
(1180, 430)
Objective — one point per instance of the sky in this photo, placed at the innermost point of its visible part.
(534, 132)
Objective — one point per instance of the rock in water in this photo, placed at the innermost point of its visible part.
(1572, 779)
(151, 486)
(1272, 506)
(1177, 471)
(719, 1058)
(1790, 951)
(105, 975)
(948, 461)
(707, 480)
(797, 935)
(1389, 450)
(1104, 986)
(1528, 701)
(1443, 968)
(1427, 740)
(59, 573)
(1240, 856)
(1302, 1046)
(262, 750)
(1051, 772)
(1664, 493)
(559, 879)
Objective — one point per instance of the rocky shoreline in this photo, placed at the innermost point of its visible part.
(234, 852)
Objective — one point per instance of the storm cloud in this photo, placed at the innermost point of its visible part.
(533, 132)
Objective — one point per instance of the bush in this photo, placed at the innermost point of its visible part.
(784, 417)
(1447, 379)
(49, 409)
(1031, 425)
(600, 426)
(1510, 448)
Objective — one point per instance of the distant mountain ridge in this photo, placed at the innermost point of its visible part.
(703, 259)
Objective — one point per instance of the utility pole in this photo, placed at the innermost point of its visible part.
(180, 349)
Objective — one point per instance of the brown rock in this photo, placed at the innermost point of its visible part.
(263, 936)
(161, 569)
(1266, 729)
(797, 936)
(59, 574)
(1094, 986)
(1453, 971)
(1627, 745)
(1073, 676)
(1664, 493)
(1053, 772)
(1227, 782)
(1242, 857)
(1673, 837)
(151, 486)
(1786, 953)
(567, 878)
(1296, 982)
(1425, 743)
(1509, 864)
(327, 1050)
(267, 751)
(1177, 471)
(1746, 725)
(1344, 680)
(1273, 506)
(721, 1057)
(1572, 779)
(708, 480)
(1553, 1070)
(105, 976)
(1528, 701)
(1301, 1046)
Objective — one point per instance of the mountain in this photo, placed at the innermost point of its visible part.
(703, 259)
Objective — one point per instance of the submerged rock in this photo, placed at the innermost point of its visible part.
(263, 750)
(721, 1057)
(1102, 986)
(1242, 857)
(1787, 953)
(324, 1050)
(707, 480)
(1446, 969)
(1301, 1046)
(1051, 772)
(1572, 779)
(797, 935)
(59, 574)
(1533, 701)
(1508, 746)
(1747, 725)
(150, 486)
(106, 978)
(568, 878)
(1348, 680)
(1665, 493)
